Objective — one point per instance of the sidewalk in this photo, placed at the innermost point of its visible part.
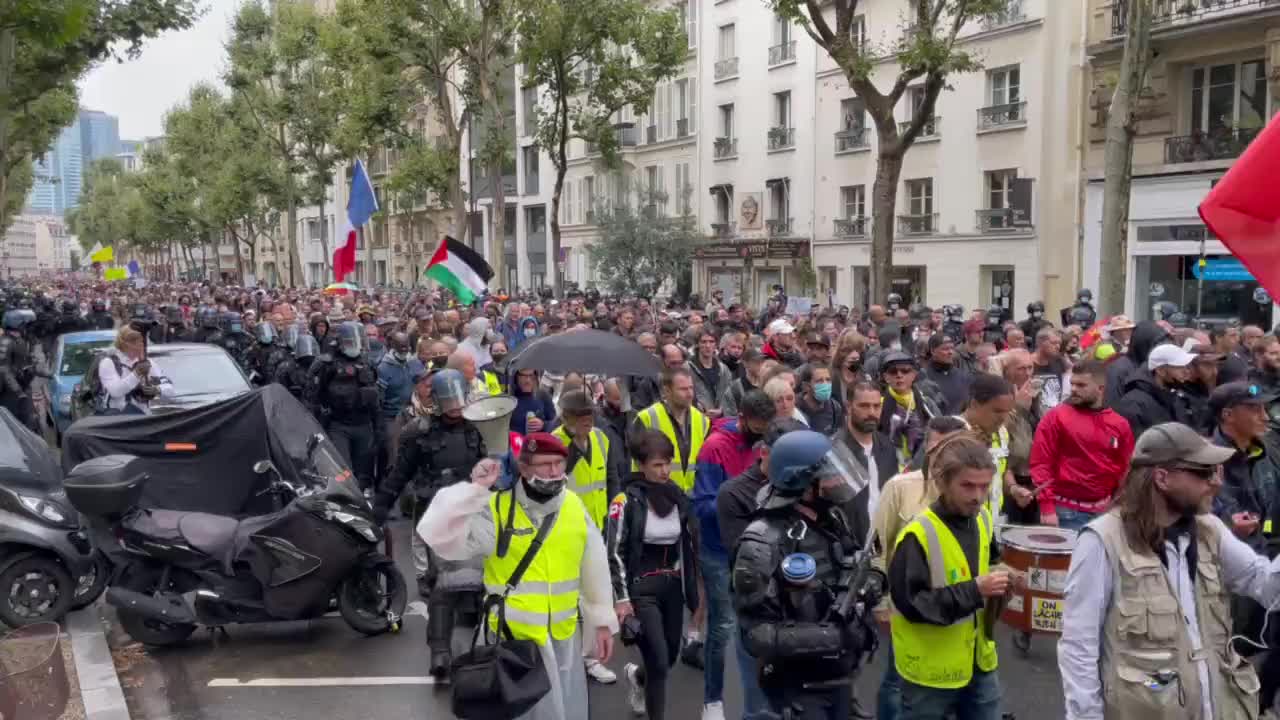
(99, 685)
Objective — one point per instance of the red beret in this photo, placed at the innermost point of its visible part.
(541, 443)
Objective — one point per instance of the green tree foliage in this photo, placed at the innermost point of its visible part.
(592, 58)
(45, 46)
(927, 54)
(640, 248)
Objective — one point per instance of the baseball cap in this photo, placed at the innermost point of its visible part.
(1229, 395)
(1168, 355)
(896, 357)
(1171, 443)
(781, 326)
(1203, 352)
(541, 443)
(818, 339)
(937, 340)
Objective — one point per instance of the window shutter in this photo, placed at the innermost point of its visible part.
(693, 104)
(691, 22)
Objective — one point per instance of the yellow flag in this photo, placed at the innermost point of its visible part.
(115, 274)
(105, 255)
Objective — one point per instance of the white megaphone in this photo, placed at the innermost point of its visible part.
(492, 417)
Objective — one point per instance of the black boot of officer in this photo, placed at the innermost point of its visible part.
(344, 397)
(434, 453)
(791, 570)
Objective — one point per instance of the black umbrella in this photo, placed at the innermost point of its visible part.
(587, 351)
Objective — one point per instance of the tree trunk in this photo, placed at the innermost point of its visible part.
(8, 45)
(884, 206)
(235, 244)
(324, 237)
(1122, 125)
(291, 234)
(498, 222)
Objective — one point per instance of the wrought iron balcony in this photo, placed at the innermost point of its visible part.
(929, 130)
(1181, 13)
(726, 68)
(997, 219)
(782, 138)
(853, 226)
(925, 224)
(851, 139)
(682, 127)
(1004, 115)
(725, 148)
(784, 52)
(1222, 144)
(724, 229)
(1012, 13)
(778, 227)
(651, 134)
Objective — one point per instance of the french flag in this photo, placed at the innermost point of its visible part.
(361, 205)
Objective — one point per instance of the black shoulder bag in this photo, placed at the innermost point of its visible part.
(501, 678)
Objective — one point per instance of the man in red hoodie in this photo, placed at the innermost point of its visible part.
(1080, 453)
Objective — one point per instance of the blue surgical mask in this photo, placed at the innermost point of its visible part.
(822, 391)
(530, 332)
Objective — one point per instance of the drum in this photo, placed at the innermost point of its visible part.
(1043, 554)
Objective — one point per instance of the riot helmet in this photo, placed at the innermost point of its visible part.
(802, 459)
(306, 347)
(19, 319)
(232, 323)
(448, 390)
(894, 302)
(291, 335)
(1035, 309)
(266, 333)
(1081, 316)
(350, 340)
(1084, 296)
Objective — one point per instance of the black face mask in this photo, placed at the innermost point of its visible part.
(498, 357)
(439, 361)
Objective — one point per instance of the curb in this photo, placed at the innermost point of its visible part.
(99, 685)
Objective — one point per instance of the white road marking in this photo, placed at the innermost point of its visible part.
(417, 607)
(322, 682)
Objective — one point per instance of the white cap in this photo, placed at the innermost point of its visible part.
(1169, 356)
(781, 327)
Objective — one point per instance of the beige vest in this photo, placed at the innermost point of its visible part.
(1149, 670)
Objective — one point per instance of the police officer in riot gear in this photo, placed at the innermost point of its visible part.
(294, 371)
(436, 452)
(17, 368)
(208, 326)
(894, 302)
(803, 587)
(1088, 315)
(993, 331)
(234, 339)
(953, 323)
(99, 318)
(263, 357)
(1034, 323)
(343, 395)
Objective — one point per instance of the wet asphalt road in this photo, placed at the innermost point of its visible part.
(323, 669)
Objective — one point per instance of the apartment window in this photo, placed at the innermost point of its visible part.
(689, 18)
(313, 231)
(915, 100)
(779, 206)
(858, 32)
(853, 199)
(782, 109)
(1230, 96)
(781, 30)
(651, 178)
(684, 189)
(727, 47)
(920, 196)
(686, 105)
(589, 196)
(566, 205)
(724, 204)
(853, 114)
(726, 121)
(1004, 86)
(999, 184)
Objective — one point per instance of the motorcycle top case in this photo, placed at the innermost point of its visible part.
(107, 485)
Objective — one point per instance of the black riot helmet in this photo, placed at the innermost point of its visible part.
(306, 347)
(1081, 316)
(98, 305)
(209, 319)
(232, 323)
(265, 332)
(1085, 296)
(291, 335)
(69, 306)
(350, 341)
(1036, 309)
(895, 302)
(19, 319)
(995, 315)
(173, 314)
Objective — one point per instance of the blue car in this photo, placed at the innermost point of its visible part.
(71, 358)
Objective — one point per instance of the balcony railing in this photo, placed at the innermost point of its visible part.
(928, 131)
(651, 134)
(725, 148)
(1167, 13)
(1012, 13)
(1004, 115)
(682, 127)
(925, 224)
(782, 138)
(726, 68)
(1224, 144)
(997, 219)
(853, 226)
(724, 229)
(627, 134)
(778, 227)
(781, 53)
(852, 139)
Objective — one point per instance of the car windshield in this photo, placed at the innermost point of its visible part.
(201, 373)
(77, 356)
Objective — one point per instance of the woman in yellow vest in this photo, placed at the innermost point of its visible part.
(940, 579)
(569, 575)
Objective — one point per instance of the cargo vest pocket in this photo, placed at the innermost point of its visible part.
(1241, 687)
(1162, 619)
(1142, 695)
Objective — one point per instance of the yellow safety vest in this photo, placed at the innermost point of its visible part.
(932, 655)
(590, 479)
(655, 416)
(999, 453)
(546, 599)
(493, 384)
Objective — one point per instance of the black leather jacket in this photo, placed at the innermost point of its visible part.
(624, 534)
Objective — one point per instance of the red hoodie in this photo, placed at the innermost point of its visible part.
(1079, 457)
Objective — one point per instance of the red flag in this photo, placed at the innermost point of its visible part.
(1243, 209)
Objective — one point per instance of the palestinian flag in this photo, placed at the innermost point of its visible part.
(460, 269)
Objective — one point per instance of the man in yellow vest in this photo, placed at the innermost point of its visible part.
(568, 575)
(592, 476)
(990, 405)
(940, 580)
(683, 424)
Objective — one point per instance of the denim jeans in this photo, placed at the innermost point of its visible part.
(720, 621)
(889, 696)
(755, 706)
(1071, 519)
(979, 700)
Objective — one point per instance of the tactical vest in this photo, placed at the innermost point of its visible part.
(1148, 666)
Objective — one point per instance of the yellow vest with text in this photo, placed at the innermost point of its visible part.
(656, 417)
(1000, 454)
(590, 479)
(545, 602)
(933, 655)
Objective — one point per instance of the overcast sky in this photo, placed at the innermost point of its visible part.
(141, 91)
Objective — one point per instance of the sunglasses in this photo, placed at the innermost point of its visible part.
(1203, 473)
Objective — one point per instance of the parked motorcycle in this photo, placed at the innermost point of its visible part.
(174, 571)
(47, 565)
